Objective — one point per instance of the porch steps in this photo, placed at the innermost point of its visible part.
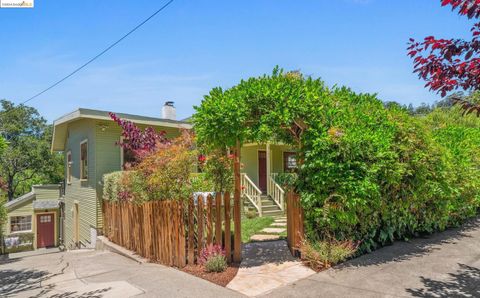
(269, 207)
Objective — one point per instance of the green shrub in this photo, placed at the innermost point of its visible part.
(377, 175)
(366, 172)
(323, 254)
(124, 186)
(250, 214)
(218, 168)
(111, 186)
(216, 263)
(287, 180)
(200, 183)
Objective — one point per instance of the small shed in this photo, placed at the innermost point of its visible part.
(33, 220)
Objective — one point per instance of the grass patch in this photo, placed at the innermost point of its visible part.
(252, 226)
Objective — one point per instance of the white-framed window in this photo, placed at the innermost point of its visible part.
(126, 155)
(289, 161)
(69, 167)
(84, 160)
(20, 223)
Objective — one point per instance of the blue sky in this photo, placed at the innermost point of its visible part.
(193, 46)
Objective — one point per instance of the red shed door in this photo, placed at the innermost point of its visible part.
(45, 230)
(262, 170)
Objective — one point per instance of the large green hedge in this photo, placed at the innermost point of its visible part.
(369, 173)
(377, 175)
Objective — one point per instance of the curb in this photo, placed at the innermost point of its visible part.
(104, 244)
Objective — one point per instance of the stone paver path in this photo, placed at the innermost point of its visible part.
(264, 237)
(274, 232)
(267, 266)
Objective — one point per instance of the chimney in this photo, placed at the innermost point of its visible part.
(168, 111)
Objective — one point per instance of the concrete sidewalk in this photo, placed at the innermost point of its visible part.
(98, 274)
(444, 265)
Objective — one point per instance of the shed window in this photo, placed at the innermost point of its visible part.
(20, 223)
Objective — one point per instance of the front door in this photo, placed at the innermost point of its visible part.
(45, 230)
(262, 170)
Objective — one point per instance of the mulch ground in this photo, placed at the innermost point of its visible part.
(221, 279)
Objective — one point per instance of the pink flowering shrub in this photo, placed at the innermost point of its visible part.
(210, 251)
(213, 258)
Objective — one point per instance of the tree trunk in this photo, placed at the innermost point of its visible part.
(10, 188)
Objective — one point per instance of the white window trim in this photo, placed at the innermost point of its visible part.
(19, 232)
(80, 159)
(69, 167)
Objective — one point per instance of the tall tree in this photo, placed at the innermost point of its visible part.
(27, 158)
(3, 145)
(453, 63)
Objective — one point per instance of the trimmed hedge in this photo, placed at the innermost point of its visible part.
(376, 175)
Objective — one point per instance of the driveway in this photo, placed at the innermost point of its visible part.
(443, 265)
(87, 273)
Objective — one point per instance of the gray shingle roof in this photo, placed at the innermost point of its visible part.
(45, 204)
(26, 197)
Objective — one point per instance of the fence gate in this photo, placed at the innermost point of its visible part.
(295, 229)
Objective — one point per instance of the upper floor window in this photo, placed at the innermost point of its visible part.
(84, 160)
(69, 167)
(127, 156)
(20, 223)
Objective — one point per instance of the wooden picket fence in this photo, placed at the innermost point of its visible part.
(295, 217)
(171, 232)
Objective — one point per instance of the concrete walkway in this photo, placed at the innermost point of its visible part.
(444, 265)
(87, 273)
(266, 266)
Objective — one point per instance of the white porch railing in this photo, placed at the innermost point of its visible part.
(251, 192)
(276, 192)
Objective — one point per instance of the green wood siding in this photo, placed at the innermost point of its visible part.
(47, 192)
(104, 156)
(108, 155)
(81, 191)
(249, 159)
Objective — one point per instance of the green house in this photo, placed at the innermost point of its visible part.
(33, 219)
(89, 141)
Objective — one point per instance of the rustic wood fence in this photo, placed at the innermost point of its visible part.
(295, 217)
(173, 233)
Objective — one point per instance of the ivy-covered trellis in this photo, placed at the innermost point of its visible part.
(257, 110)
(367, 173)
